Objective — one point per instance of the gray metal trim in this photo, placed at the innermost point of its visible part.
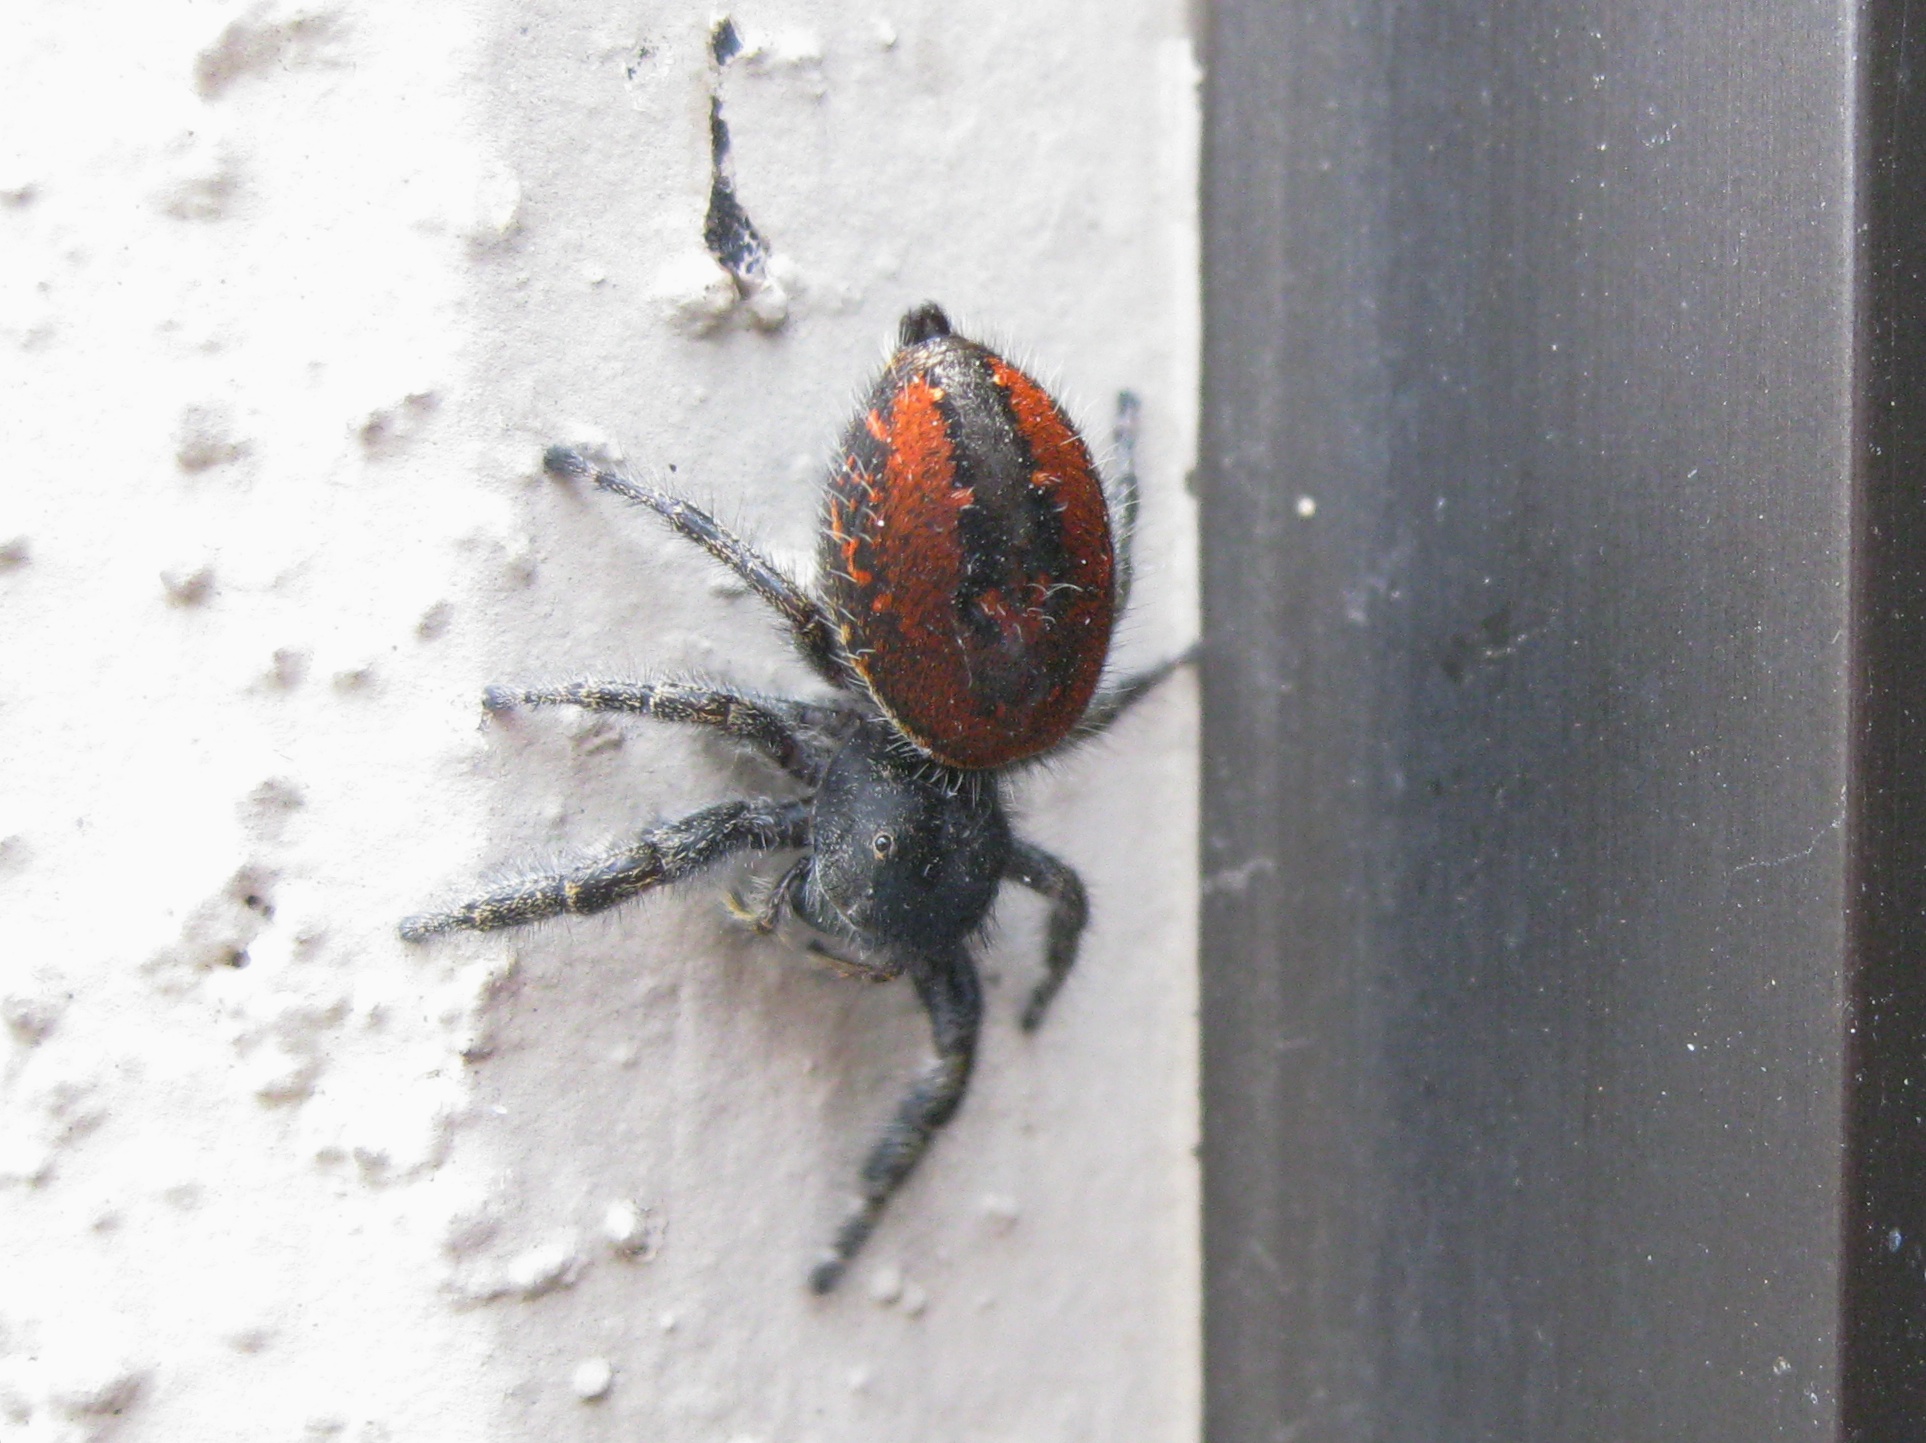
(1883, 1325)
(1535, 388)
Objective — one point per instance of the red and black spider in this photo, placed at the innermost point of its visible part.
(971, 571)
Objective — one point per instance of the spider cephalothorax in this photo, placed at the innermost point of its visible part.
(972, 569)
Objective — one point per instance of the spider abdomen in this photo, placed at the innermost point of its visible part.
(967, 553)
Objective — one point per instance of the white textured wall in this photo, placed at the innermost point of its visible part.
(290, 301)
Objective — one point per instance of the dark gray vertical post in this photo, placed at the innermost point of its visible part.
(1541, 567)
(1883, 1357)
(1295, 407)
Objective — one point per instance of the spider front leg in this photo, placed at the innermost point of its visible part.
(658, 856)
(857, 969)
(953, 997)
(795, 735)
(766, 916)
(814, 633)
(785, 897)
(1069, 911)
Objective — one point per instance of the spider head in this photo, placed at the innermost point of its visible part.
(908, 853)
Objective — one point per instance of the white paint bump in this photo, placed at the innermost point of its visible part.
(544, 1268)
(547, 1267)
(31, 1010)
(277, 1075)
(288, 667)
(393, 429)
(73, 1394)
(696, 293)
(268, 39)
(188, 585)
(206, 439)
(592, 1379)
(497, 204)
(632, 1231)
(434, 621)
(999, 1210)
(217, 931)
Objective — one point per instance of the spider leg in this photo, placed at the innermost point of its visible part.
(1115, 698)
(788, 895)
(787, 732)
(953, 998)
(856, 968)
(1124, 494)
(1069, 911)
(764, 917)
(814, 633)
(658, 856)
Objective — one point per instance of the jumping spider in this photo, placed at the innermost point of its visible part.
(971, 570)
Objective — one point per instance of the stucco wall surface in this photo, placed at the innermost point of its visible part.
(292, 300)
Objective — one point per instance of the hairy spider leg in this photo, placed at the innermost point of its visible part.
(787, 895)
(766, 916)
(1123, 494)
(857, 969)
(809, 624)
(797, 736)
(1115, 698)
(953, 997)
(1069, 911)
(657, 857)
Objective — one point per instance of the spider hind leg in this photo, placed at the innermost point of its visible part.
(953, 997)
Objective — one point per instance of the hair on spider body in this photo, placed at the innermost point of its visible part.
(971, 573)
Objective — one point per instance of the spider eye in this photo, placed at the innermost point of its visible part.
(883, 844)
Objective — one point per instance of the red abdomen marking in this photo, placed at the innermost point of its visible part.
(967, 556)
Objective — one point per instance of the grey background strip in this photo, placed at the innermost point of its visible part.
(1558, 489)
